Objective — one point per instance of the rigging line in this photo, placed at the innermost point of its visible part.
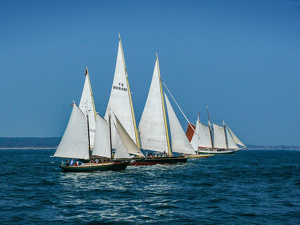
(190, 124)
(178, 106)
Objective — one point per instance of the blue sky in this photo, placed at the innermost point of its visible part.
(240, 57)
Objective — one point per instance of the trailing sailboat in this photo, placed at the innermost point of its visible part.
(218, 140)
(153, 127)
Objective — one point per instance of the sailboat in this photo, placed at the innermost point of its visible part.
(153, 127)
(221, 141)
(85, 144)
(75, 144)
(120, 102)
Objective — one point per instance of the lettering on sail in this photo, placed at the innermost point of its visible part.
(120, 87)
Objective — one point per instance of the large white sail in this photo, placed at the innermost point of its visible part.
(75, 143)
(128, 142)
(120, 101)
(102, 138)
(87, 106)
(152, 124)
(180, 143)
(235, 138)
(219, 137)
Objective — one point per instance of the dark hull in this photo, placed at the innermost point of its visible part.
(159, 160)
(116, 166)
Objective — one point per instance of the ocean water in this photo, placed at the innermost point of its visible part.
(249, 187)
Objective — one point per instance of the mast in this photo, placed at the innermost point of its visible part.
(88, 129)
(209, 126)
(130, 99)
(164, 111)
(109, 121)
(225, 135)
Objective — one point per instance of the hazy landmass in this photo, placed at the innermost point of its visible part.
(29, 143)
(52, 143)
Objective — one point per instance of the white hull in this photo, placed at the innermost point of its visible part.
(216, 151)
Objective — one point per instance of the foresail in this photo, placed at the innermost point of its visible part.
(87, 106)
(219, 137)
(235, 138)
(121, 151)
(102, 138)
(74, 143)
(230, 142)
(180, 143)
(152, 126)
(120, 100)
(128, 142)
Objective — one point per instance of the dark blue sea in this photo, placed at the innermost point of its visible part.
(249, 187)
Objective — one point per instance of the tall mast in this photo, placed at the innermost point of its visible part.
(164, 111)
(109, 122)
(88, 129)
(130, 99)
(209, 126)
(225, 134)
(87, 74)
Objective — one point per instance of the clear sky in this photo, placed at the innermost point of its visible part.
(240, 57)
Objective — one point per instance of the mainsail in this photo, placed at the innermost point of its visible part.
(87, 106)
(219, 137)
(152, 126)
(180, 143)
(75, 142)
(120, 101)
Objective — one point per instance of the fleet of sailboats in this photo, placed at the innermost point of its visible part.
(114, 142)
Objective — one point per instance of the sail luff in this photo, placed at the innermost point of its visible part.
(164, 110)
(130, 98)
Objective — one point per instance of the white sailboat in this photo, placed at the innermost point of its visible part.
(153, 126)
(222, 141)
(75, 145)
(120, 102)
